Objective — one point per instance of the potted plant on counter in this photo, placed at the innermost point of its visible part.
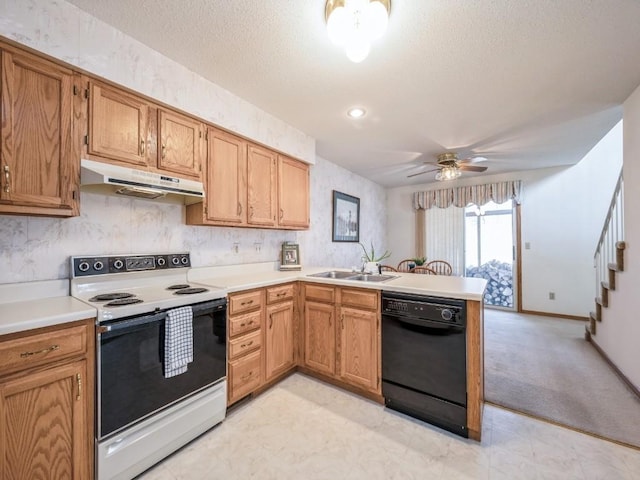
(371, 259)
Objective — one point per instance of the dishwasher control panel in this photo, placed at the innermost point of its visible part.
(425, 308)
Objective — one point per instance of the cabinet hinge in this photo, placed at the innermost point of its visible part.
(200, 134)
(86, 93)
(75, 90)
(73, 194)
(86, 139)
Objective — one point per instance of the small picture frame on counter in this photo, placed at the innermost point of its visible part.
(290, 257)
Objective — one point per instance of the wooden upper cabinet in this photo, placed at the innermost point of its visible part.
(39, 166)
(179, 143)
(261, 186)
(226, 181)
(118, 125)
(293, 193)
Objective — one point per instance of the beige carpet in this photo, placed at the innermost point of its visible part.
(543, 366)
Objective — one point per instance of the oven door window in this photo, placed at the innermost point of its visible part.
(131, 378)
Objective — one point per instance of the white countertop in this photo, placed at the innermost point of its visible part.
(24, 306)
(244, 277)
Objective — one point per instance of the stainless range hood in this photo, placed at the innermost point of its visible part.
(113, 179)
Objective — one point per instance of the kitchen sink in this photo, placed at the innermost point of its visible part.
(333, 274)
(371, 278)
(361, 277)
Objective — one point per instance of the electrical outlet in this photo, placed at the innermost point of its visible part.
(527, 245)
(552, 295)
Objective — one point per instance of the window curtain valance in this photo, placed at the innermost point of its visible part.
(460, 197)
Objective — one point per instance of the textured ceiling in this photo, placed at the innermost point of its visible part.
(526, 83)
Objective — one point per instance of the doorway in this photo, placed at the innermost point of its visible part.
(489, 251)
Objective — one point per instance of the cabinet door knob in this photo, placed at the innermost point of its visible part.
(7, 179)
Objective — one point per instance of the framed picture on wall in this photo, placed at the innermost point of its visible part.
(346, 218)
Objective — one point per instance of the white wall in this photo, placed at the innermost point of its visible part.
(563, 210)
(33, 248)
(619, 332)
(316, 245)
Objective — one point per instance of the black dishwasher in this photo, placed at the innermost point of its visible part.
(424, 370)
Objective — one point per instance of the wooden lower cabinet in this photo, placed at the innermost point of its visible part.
(246, 317)
(359, 348)
(342, 335)
(279, 339)
(320, 337)
(46, 408)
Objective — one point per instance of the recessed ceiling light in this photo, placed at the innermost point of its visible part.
(356, 112)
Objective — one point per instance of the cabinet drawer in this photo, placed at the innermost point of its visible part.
(32, 350)
(244, 375)
(277, 294)
(359, 298)
(244, 323)
(245, 343)
(243, 302)
(319, 293)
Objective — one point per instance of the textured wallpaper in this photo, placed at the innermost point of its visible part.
(35, 248)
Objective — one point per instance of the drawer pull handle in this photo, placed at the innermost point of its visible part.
(282, 294)
(247, 303)
(245, 324)
(44, 350)
(270, 320)
(142, 147)
(247, 376)
(79, 380)
(164, 151)
(245, 345)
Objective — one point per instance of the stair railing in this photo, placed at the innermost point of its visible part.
(612, 233)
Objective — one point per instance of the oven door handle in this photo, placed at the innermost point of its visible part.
(115, 328)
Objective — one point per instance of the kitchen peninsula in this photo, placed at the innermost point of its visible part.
(291, 321)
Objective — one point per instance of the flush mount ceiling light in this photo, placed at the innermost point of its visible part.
(354, 24)
(356, 112)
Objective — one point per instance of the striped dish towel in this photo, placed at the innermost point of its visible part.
(178, 341)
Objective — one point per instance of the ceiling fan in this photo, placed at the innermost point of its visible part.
(450, 168)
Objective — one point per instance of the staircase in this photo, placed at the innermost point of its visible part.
(609, 256)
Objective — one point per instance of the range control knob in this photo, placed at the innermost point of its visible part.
(161, 262)
(98, 265)
(184, 260)
(118, 264)
(446, 314)
(175, 261)
(83, 266)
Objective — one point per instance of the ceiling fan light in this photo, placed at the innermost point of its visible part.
(448, 173)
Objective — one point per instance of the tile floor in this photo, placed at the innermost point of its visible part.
(305, 429)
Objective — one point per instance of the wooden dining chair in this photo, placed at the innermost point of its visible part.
(387, 268)
(403, 266)
(424, 271)
(440, 267)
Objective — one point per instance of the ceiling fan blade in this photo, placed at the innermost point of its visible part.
(420, 173)
(472, 168)
(472, 160)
